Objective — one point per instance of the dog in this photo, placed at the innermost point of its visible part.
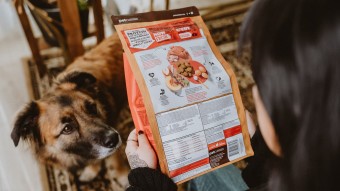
(71, 126)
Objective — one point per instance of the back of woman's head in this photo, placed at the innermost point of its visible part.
(295, 49)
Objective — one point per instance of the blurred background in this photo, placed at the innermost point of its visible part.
(38, 38)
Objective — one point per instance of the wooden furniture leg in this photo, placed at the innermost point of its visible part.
(98, 20)
(19, 7)
(71, 22)
(151, 5)
(167, 4)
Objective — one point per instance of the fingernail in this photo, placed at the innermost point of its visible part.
(140, 132)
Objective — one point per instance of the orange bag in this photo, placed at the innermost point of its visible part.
(182, 93)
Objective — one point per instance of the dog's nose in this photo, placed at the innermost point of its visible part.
(111, 141)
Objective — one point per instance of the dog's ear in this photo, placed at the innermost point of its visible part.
(26, 123)
(81, 79)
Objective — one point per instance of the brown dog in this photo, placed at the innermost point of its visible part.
(72, 125)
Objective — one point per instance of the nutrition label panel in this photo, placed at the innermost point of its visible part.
(202, 136)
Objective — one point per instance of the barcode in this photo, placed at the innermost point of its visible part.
(233, 148)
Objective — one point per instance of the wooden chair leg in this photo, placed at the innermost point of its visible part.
(30, 37)
(71, 22)
(167, 4)
(98, 20)
(151, 5)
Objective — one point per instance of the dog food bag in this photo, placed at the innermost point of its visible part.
(182, 93)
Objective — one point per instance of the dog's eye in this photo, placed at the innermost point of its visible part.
(68, 129)
(91, 108)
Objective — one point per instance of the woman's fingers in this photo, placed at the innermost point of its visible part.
(143, 140)
(145, 151)
(139, 151)
(132, 142)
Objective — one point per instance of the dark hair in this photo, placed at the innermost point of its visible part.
(295, 51)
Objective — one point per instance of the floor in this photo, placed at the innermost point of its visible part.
(18, 168)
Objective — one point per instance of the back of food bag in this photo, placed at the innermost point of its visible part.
(193, 105)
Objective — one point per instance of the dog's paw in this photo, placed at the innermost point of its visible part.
(89, 173)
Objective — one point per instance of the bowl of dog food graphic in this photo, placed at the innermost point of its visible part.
(174, 81)
(183, 66)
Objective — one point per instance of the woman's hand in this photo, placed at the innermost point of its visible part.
(139, 151)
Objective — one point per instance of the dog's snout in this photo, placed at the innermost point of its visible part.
(111, 141)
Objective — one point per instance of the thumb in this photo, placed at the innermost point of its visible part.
(143, 140)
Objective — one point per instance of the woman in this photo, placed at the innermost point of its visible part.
(295, 49)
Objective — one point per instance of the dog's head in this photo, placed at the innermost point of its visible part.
(70, 125)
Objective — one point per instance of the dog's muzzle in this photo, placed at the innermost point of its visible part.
(110, 141)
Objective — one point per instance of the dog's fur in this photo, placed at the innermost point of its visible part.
(72, 125)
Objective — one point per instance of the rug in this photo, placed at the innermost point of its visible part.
(225, 32)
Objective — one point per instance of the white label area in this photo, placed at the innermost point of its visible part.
(182, 136)
(139, 38)
(235, 147)
(218, 111)
(153, 61)
(187, 132)
(186, 150)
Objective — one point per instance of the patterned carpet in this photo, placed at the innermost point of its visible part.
(225, 32)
